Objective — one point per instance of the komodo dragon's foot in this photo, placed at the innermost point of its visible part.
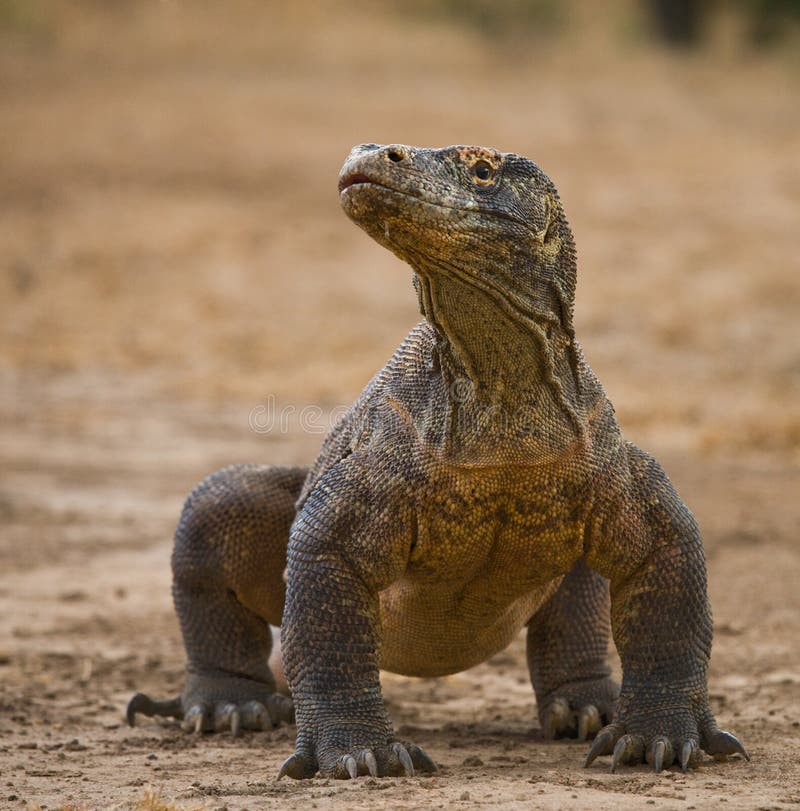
(578, 709)
(663, 735)
(390, 760)
(218, 703)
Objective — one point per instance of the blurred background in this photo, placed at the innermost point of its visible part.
(173, 255)
(170, 223)
(170, 217)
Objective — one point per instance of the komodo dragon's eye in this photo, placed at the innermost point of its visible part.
(483, 171)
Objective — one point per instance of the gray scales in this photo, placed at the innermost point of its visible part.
(480, 484)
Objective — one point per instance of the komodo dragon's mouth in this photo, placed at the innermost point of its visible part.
(351, 180)
(358, 178)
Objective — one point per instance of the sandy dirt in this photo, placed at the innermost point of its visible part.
(174, 266)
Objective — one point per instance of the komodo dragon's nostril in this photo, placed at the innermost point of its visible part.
(395, 155)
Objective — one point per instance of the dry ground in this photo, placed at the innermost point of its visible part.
(172, 257)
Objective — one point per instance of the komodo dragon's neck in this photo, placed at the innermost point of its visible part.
(514, 364)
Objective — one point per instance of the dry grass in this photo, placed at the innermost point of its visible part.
(153, 801)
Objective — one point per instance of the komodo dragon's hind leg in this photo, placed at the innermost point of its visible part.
(227, 566)
(567, 656)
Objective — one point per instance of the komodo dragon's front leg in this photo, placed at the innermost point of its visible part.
(352, 539)
(227, 564)
(645, 540)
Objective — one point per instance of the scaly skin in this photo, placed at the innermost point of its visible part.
(479, 484)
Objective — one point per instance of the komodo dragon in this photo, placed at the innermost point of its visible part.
(479, 484)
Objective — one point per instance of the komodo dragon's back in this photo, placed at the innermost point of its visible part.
(479, 485)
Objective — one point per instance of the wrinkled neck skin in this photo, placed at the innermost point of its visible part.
(512, 370)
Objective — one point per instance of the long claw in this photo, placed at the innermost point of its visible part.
(295, 767)
(223, 716)
(236, 723)
(421, 759)
(603, 744)
(556, 718)
(721, 744)
(289, 767)
(658, 756)
(371, 764)
(588, 721)
(145, 705)
(254, 715)
(351, 766)
(688, 753)
(194, 720)
(404, 757)
(628, 749)
(620, 752)
(133, 708)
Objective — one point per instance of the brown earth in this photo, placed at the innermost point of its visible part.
(173, 262)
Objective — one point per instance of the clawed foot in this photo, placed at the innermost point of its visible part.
(217, 716)
(214, 703)
(394, 760)
(661, 751)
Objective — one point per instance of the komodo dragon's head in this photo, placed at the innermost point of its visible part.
(487, 218)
